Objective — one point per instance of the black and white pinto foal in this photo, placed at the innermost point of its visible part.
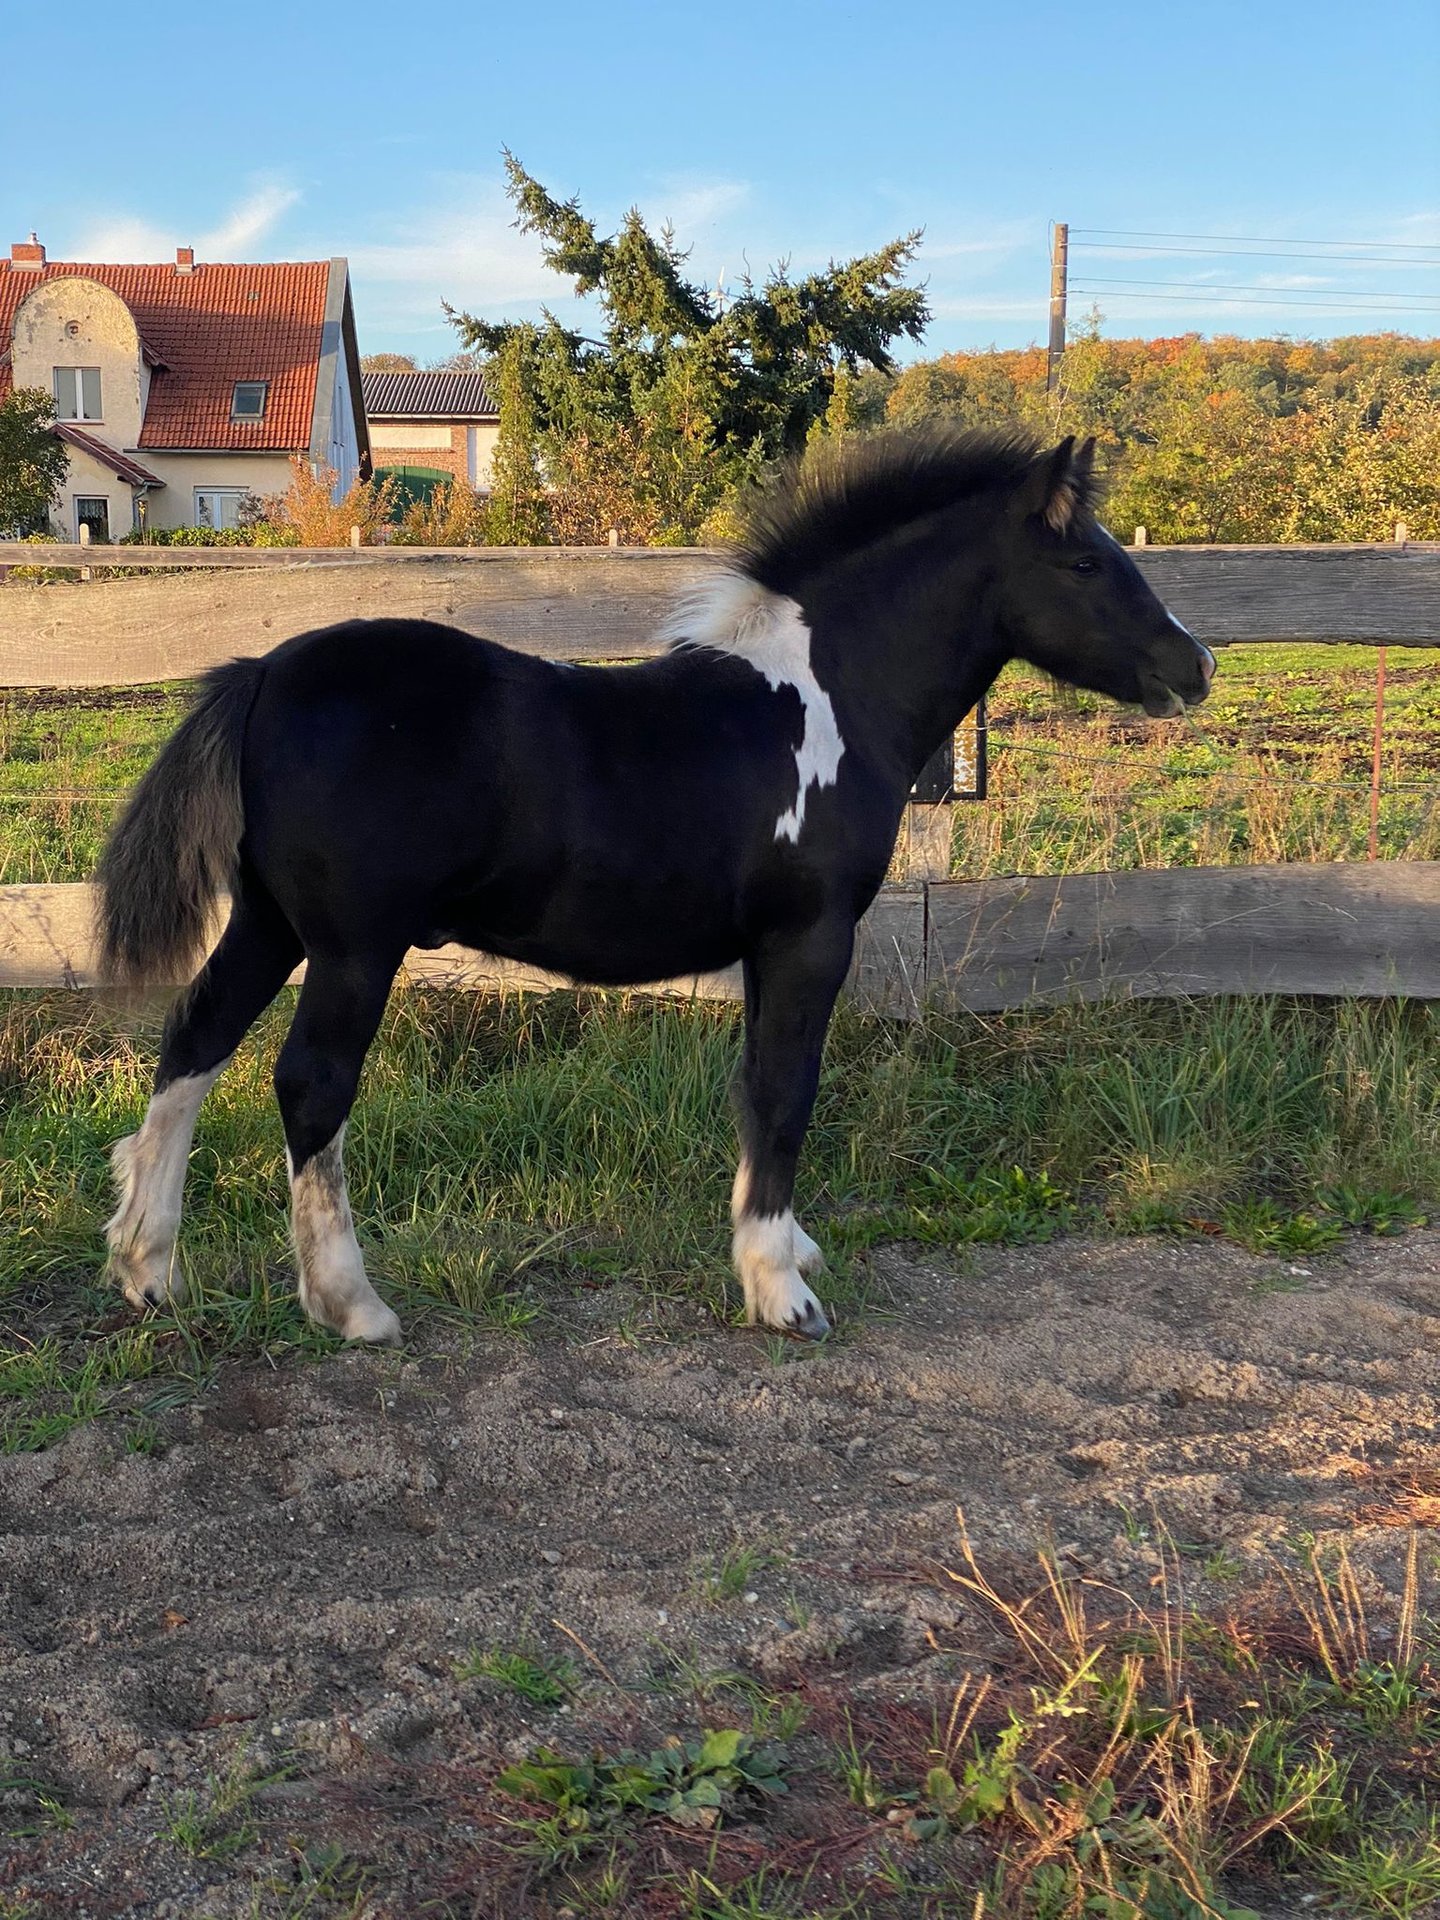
(386, 784)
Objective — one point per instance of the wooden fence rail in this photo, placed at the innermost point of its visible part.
(595, 603)
(1367, 931)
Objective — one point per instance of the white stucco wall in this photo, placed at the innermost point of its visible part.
(74, 322)
(88, 479)
(173, 505)
(481, 454)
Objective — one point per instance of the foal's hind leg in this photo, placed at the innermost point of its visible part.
(315, 1078)
(239, 980)
(790, 991)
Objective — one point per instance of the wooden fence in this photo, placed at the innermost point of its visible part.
(1354, 930)
(594, 603)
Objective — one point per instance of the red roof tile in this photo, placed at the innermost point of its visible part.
(202, 331)
(107, 455)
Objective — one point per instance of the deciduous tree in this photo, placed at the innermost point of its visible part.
(33, 462)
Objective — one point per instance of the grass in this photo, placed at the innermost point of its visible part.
(539, 1678)
(507, 1155)
(1274, 767)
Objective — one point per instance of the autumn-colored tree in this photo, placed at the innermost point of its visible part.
(455, 515)
(308, 509)
(1224, 439)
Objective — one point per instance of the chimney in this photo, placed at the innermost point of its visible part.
(27, 254)
(184, 260)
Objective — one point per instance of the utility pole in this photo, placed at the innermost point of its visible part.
(1059, 256)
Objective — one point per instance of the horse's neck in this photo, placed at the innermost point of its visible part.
(906, 667)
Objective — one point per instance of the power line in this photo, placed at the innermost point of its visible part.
(1250, 239)
(1254, 253)
(1220, 296)
(1243, 286)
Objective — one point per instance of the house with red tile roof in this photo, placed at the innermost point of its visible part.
(182, 390)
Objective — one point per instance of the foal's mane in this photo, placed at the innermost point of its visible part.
(848, 492)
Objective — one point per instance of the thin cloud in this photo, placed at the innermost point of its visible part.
(240, 233)
(246, 226)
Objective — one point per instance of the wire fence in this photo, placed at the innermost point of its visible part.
(1068, 790)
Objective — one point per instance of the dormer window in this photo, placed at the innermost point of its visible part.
(77, 393)
(248, 400)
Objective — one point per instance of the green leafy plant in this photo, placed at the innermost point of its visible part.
(695, 1783)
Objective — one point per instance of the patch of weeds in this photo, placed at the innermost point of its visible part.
(218, 1824)
(1153, 1215)
(475, 1269)
(694, 1783)
(1372, 1212)
(773, 1715)
(797, 1613)
(318, 1878)
(545, 1680)
(1396, 1874)
(757, 1897)
(726, 1579)
(51, 1815)
(144, 1436)
(1264, 1227)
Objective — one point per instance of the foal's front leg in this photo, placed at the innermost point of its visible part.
(790, 989)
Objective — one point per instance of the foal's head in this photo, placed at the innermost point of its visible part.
(1071, 600)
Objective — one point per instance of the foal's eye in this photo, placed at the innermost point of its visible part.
(1085, 564)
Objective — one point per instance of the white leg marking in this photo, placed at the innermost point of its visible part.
(734, 614)
(149, 1169)
(775, 1295)
(770, 1254)
(333, 1286)
(808, 1257)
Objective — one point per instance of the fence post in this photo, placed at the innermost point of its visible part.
(1142, 538)
(83, 535)
(355, 536)
(1402, 533)
(612, 538)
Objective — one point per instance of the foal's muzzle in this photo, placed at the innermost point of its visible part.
(1178, 674)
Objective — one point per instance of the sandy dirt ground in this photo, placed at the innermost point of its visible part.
(295, 1572)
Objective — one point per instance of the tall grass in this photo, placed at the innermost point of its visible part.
(592, 1134)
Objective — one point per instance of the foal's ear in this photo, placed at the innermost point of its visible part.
(1061, 484)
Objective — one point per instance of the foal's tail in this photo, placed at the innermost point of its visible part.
(175, 846)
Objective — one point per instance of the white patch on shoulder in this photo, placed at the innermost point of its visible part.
(734, 614)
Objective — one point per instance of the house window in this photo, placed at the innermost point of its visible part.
(248, 400)
(94, 513)
(77, 393)
(218, 506)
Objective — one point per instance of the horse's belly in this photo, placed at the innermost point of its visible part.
(601, 931)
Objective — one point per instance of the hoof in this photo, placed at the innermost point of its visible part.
(792, 1310)
(144, 1291)
(810, 1324)
(372, 1326)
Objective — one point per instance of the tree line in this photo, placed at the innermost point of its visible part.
(651, 427)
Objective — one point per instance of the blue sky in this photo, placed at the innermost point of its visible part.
(762, 131)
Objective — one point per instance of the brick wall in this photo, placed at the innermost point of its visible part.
(449, 459)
